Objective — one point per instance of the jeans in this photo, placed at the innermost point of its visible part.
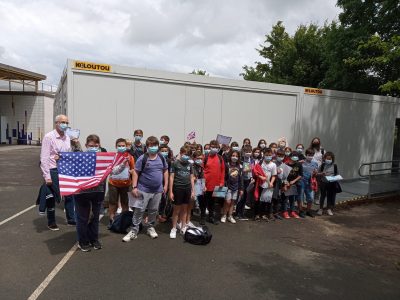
(207, 202)
(240, 206)
(88, 230)
(50, 205)
(300, 190)
(308, 192)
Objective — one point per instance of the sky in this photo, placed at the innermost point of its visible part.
(219, 36)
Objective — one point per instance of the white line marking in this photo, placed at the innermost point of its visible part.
(16, 215)
(52, 274)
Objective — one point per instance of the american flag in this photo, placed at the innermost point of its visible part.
(191, 135)
(82, 170)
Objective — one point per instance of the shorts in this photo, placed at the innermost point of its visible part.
(182, 196)
(231, 195)
(266, 195)
(115, 192)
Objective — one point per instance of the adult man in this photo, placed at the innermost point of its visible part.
(54, 142)
(150, 180)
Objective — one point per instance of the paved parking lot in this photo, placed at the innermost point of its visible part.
(352, 255)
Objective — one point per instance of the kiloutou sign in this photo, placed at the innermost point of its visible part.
(89, 66)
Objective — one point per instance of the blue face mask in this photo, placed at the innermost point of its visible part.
(63, 126)
(295, 158)
(328, 161)
(300, 150)
(207, 151)
(164, 153)
(198, 161)
(138, 138)
(185, 158)
(268, 158)
(235, 148)
(121, 149)
(93, 149)
(153, 149)
(280, 159)
(214, 150)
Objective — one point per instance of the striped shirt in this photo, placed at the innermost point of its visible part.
(53, 143)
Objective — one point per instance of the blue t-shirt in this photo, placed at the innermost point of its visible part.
(308, 169)
(151, 177)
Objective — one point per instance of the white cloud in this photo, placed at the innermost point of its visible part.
(176, 35)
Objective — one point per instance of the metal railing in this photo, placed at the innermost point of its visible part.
(381, 178)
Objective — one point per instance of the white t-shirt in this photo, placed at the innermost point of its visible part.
(269, 170)
(318, 157)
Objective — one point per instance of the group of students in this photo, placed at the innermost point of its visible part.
(273, 180)
(276, 181)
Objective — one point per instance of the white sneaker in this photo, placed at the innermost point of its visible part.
(178, 225)
(130, 236)
(232, 220)
(152, 233)
(190, 224)
(247, 207)
(223, 219)
(183, 230)
(330, 212)
(319, 212)
(172, 234)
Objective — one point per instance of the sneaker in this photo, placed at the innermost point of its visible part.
(242, 218)
(285, 215)
(264, 217)
(247, 207)
(257, 218)
(330, 212)
(223, 219)
(294, 215)
(316, 202)
(96, 245)
(71, 223)
(190, 224)
(302, 214)
(320, 212)
(119, 210)
(152, 233)
(183, 230)
(53, 227)
(178, 226)
(310, 214)
(232, 220)
(130, 236)
(278, 217)
(172, 234)
(84, 248)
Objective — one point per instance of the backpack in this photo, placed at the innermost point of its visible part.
(122, 222)
(146, 157)
(335, 170)
(198, 235)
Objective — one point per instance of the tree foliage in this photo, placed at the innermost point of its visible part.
(199, 72)
(359, 53)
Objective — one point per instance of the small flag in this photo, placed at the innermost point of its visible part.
(79, 171)
(191, 135)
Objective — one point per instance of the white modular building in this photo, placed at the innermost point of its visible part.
(113, 100)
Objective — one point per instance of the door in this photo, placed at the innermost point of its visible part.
(396, 148)
(3, 129)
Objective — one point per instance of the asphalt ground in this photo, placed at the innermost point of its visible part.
(352, 255)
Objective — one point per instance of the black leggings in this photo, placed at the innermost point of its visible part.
(328, 190)
(207, 201)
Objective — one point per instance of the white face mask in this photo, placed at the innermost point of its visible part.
(262, 146)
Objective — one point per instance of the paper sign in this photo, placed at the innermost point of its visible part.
(191, 135)
(220, 192)
(199, 186)
(73, 133)
(334, 178)
(135, 202)
(223, 140)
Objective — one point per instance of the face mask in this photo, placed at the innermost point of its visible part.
(300, 150)
(295, 158)
(268, 158)
(282, 146)
(309, 158)
(328, 161)
(235, 148)
(121, 149)
(262, 146)
(185, 158)
(256, 155)
(287, 153)
(164, 153)
(153, 149)
(315, 145)
(162, 142)
(247, 154)
(234, 159)
(138, 138)
(214, 150)
(280, 159)
(63, 126)
(198, 162)
(93, 149)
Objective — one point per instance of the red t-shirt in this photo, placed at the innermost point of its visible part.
(214, 172)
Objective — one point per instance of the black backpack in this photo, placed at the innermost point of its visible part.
(198, 235)
(122, 222)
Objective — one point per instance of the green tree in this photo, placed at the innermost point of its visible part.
(199, 72)
(290, 59)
